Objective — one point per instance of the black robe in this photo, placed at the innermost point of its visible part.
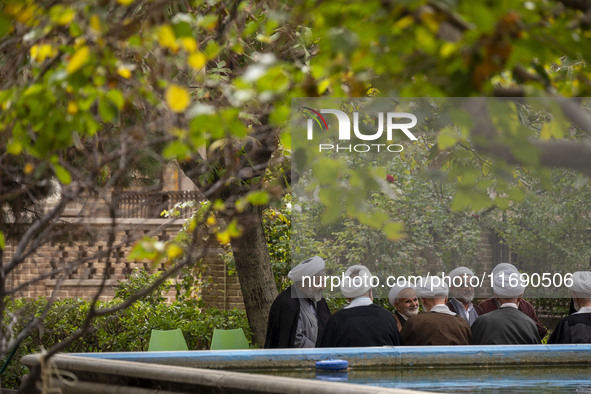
(492, 304)
(575, 328)
(505, 326)
(369, 325)
(283, 320)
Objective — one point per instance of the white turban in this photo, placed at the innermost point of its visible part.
(395, 290)
(356, 282)
(431, 287)
(308, 268)
(507, 282)
(581, 287)
(460, 271)
(502, 267)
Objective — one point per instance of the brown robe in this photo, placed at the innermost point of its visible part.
(400, 320)
(434, 328)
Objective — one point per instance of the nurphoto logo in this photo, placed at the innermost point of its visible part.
(392, 124)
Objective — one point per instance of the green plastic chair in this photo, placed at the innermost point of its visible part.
(167, 340)
(228, 339)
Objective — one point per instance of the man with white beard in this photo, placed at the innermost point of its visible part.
(404, 299)
(463, 294)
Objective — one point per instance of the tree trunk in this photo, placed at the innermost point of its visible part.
(254, 271)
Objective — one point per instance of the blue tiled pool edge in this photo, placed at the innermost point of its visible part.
(408, 356)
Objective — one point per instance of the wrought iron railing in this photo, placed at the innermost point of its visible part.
(149, 205)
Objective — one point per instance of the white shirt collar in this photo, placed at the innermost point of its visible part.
(509, 305)
(442, 308)
(584, 309)
(359, 301)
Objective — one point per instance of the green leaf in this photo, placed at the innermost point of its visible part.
(106, 110)
(234, 229)
(62, 174)
(182, 29)
(516, 194)
(446, 138)
(286, 140)
(176, 150)
(33, 89)
(331, 198)
(75, 30)
(147, 249)
(258, 198)
(502, 202)
(328, 171)
(212, 49)
(280, 115)
(394, 231)
(14, 147)
(2, 241)
(219, 205)
(525, 152)
(116, 98)
(461, 200)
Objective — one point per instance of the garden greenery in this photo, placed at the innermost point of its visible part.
(126, 331)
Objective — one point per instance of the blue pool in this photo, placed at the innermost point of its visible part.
(466, 369)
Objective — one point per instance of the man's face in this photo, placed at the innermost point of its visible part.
(407, 303)
(317, 285)
(463, 293)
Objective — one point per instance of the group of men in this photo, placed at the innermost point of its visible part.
(300, 317)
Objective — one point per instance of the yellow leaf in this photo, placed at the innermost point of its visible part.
(42, 52)
(125, 2)
(173, 251)
(29, 167)
(223, 237)
(323, 85)
(166, 38)
(78, 60)
(404, 22)
(66, 17)
(95, 23)
(189, 44)
(197, 60)
(546, 132)
(72, 108)
(23, 13)
(447, 49)
(430, 20)
(177, 98)
(211, 220)
(124, 72)
(79, 42)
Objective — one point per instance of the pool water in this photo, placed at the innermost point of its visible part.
(551, 379)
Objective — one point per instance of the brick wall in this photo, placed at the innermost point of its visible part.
(82, 246)
(85, 242)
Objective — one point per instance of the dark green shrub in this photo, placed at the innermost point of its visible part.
(127, 330)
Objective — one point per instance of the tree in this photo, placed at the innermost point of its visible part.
(103, 72)
(209, 84)
(94, 94)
